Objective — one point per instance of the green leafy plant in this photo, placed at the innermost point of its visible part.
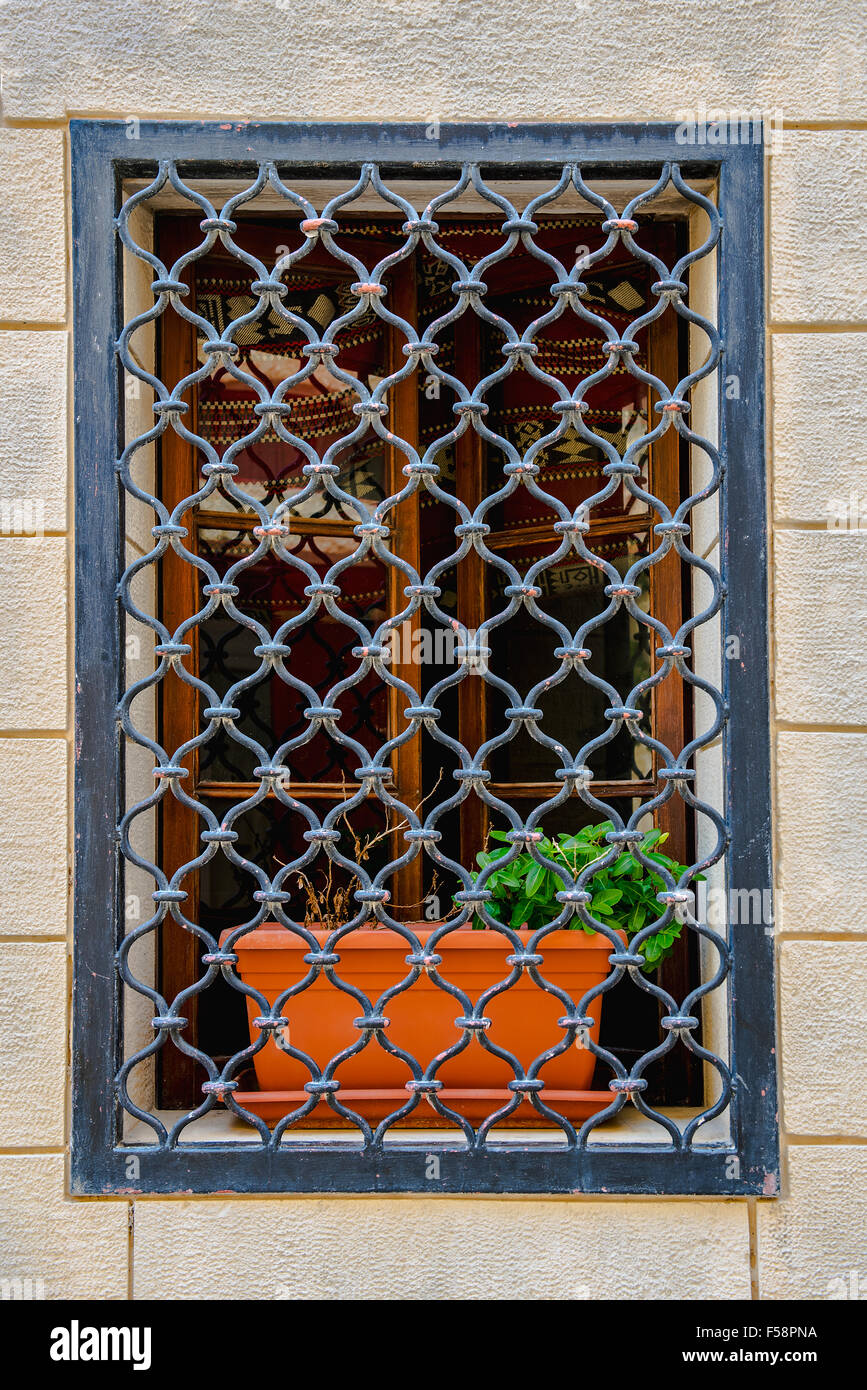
(624, 893)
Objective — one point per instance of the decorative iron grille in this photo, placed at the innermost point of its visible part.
(378, 1148)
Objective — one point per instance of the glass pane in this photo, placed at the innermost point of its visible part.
(271, 351)
(573, 711)
(272, 595)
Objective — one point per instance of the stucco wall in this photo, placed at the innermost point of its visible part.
(386, 60)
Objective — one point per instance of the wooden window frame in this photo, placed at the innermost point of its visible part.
(179, 829)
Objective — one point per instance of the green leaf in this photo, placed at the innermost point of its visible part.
(534, 879)
(623, 865)
(520, 913)
(623, 893)
(637, 919)
(651, 838)
(600, 909)
(662, 859)
(609, 895)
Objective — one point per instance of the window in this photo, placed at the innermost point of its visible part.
(417, 585)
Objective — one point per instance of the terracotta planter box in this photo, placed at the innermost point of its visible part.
(422, 1022)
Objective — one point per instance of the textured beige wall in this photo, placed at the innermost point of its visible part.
(422, 1248)
(385, 60)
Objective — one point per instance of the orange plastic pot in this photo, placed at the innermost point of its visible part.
(524, 1019)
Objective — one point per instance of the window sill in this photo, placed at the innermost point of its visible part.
(630, 1126)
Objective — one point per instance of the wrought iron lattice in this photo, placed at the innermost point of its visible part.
(480, 1159)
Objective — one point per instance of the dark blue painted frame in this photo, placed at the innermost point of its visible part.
(102, 156)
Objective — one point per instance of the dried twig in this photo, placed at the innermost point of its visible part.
(331, 904)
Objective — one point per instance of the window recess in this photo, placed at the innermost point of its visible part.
(429, 752)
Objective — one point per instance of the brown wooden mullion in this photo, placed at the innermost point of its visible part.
(405, 540)
(666, 602)
(299, 526)
(599, 526)
(472, 598)
(302, 791)
(336, 791)
(542, 791)
(681, 1068)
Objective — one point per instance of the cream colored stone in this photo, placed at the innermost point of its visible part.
(138, 396)
(79, 1248)
(33, 603)
(138, 904)
(818, 230)
(811, 1242)
(140, 663)
(820, 452)
(821, 807)
(138, 1033)
(819, 634)
(32, 1043)
(33, 226)
(369, 1249)
(34, 881)
(704, 517)
(434, 59)
(823, 1006)
(706, 643)
(33, 449)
